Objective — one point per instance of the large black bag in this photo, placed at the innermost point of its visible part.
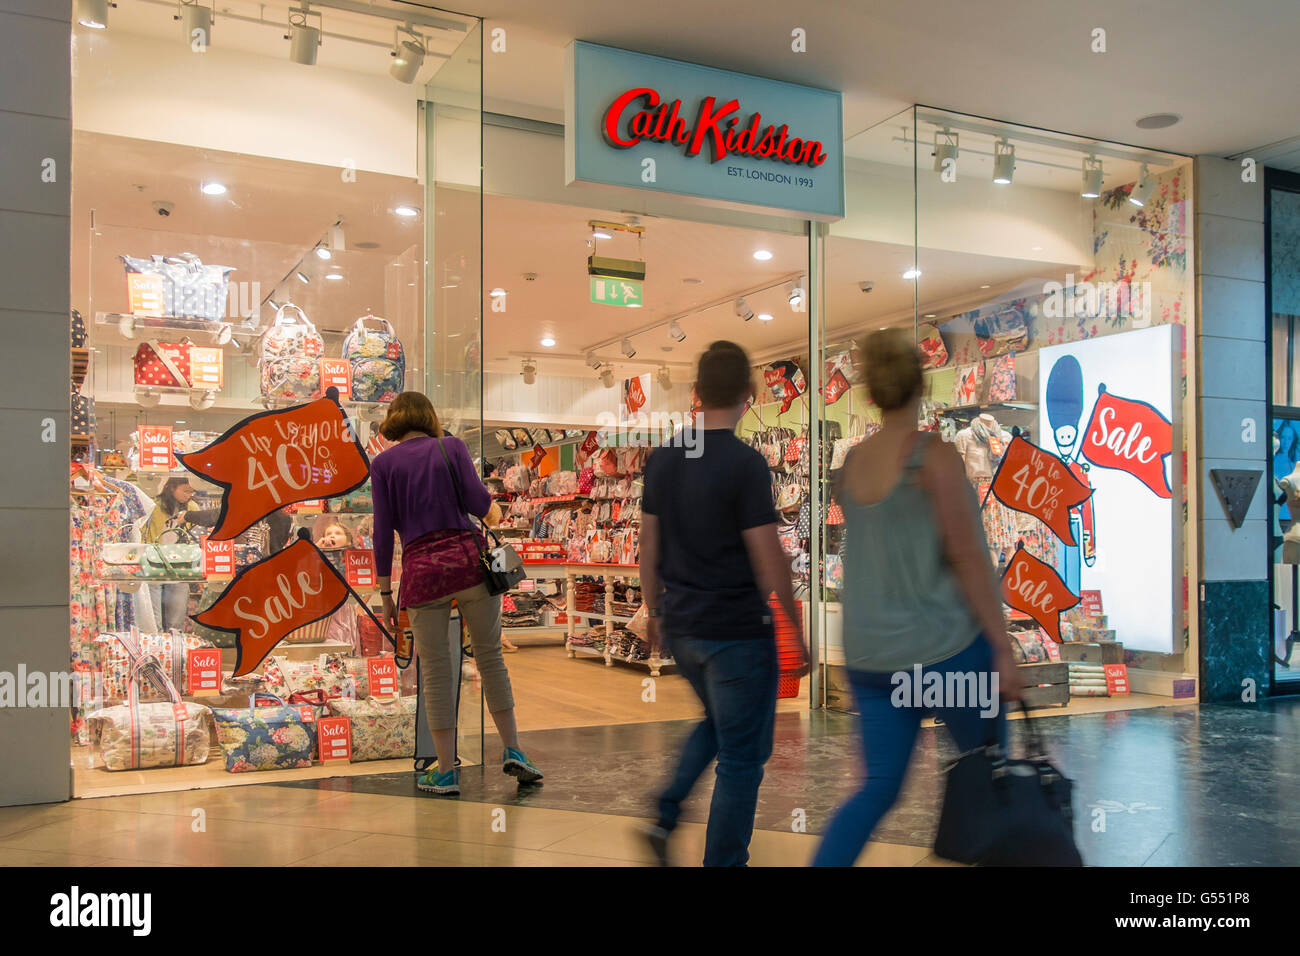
(1000, 811)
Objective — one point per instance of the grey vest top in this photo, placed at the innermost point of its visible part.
(902, 603)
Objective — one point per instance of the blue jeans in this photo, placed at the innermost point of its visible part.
(888, 734)
(736, 683)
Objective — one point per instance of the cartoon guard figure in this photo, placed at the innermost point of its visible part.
(1064, 412)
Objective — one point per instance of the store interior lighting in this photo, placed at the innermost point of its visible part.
(628, 349)
(304, 39)
(1092, 176)
(607, 376)
(675, 332)
(592, 361)
(665, 378)
(1004, 162)
(1143, 188)
(93, 14)
(408, 54)
(406, 212)
(743, 310)
(796, 295)
(945, 148)
(197, 23)
(529, 372)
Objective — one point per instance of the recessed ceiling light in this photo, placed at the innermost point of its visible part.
(334, 275)
(93, 13)
(1035, 248)
(913, 273)
(983, 287)
(548, 342)
(1158, 121)
(762, 255)
(634, 305)
(497, 293)
(765, 317)
(929, 315)
(600, 234)
(368, 244)
(407, 211)
(213, 189)
(322, 252)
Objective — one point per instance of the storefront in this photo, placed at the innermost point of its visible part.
(248, 234)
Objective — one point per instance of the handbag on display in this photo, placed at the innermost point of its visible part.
(290, 357)
(586, 479)
(1000, 811)
(378, 362)
(382, 727)
(968, 386)
(505, 439)
(117, 655)
(163, 363)
(354, 502)
(190, 289)
(79, 335)
(1001, 375)
(129, 561)
(840, 451)
(934, 354)
(136, 736)
(82, 411)
(264, 738)
(335, 675)
(1002, 332)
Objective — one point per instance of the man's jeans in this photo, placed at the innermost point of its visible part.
(736, 682)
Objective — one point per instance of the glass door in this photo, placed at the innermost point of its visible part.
(453, 286)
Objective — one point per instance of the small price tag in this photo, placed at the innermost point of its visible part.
(180, 713)
(308, 714)
(1091, 603)
(1117, 679)
(359, 567)
(383, 676)
(145, 293)
(218, 559)
(156, 448)
(207, 368)
(334, 739)
(338, 373)
(313, 506)
(203, 675)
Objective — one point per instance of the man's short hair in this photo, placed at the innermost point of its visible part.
(724, 377)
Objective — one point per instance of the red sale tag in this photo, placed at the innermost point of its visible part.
(218, 559)
(383, 676)
(180, 713)
(155, 448)
(338, 373)
(538, 454)
(359, 566)
(207, 369)
(334, 738)
(1116, 679)
(307, 714)
(1091, 601)
(203, 674)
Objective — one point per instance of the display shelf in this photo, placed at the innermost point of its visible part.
(989, 407)
(140, 326)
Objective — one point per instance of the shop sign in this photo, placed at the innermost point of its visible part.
(613, 291)
(155, 447)
(1091, 600)
(383, 676)
(334, 739)
(1034, 588)
(203, 672)
(536, 458)
(1116, 679)
(644, 122)
(337, 373)
(359, 567)
(218, 559)
(207, 368)
(1131, 436)
(1038, 483)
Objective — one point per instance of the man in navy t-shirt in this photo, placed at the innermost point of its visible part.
(709, 557)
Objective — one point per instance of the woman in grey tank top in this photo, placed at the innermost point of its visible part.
(923, 625)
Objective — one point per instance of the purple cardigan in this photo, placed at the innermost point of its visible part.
(413, 493)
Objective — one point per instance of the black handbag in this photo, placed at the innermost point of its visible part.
(502, 566)
(1000, 811)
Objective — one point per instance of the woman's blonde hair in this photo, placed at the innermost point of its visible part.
(891, 364)
(410, 412)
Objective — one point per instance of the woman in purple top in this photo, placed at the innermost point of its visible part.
(415, 496)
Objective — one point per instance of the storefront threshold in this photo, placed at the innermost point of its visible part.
(1163, 683)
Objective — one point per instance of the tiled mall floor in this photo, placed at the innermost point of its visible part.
(1170, 786)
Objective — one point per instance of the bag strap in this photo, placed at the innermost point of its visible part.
(460, 502)
(172, 368)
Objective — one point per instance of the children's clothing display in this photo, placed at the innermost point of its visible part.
(981, 446)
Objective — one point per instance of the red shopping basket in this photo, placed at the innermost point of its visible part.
(789, 650)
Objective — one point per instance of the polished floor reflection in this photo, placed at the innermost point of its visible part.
(1176, 786)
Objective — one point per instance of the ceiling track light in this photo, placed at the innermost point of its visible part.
(304, 39)
(1092, 176)
(675, 332)
(628, 350)
(93, 13)
(408, 54)
(529, 371)
(196, 21)
(607, 376)
(796, 294)
(1004, 162)
(593, 361)
(945, 148)
(1143, 188)
(743, 310)
(664, 378)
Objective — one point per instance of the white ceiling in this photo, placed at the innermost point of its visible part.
(1229, 69)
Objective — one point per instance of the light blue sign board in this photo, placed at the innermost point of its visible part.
(598, 75)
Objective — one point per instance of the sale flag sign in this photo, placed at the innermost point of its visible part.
(277, 458)
(1037, 483)
(1132, 436)
(290, 589)
(1034, 587)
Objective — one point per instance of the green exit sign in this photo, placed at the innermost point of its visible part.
(609, 291)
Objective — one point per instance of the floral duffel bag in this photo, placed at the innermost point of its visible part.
(136, 736)
(338, 675)
(382, 727)
(115, 652)
(276, 737)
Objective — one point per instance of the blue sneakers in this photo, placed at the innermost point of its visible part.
(447, 784)
(519, 766)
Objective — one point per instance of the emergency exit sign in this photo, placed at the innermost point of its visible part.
(624, 292)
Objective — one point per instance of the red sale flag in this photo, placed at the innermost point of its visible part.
(1034, 587)
(290, 589)
(1132, 436)
(277, 458)
(836, 387)
(1037, 483)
